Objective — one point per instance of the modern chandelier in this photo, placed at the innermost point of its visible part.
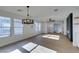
(27, 20)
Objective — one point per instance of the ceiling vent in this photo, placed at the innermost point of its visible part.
(55, 10)
(19, 10)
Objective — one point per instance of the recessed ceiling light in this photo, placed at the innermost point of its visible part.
(55, 10)
(19, 10)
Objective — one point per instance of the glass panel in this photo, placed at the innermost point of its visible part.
(0, 23)
(5, 22)
(4, 26)
(4, 31)
(0, 31)
(17, 20)
(18, 31)
(38, 27)
(18, 23)
(18, 27)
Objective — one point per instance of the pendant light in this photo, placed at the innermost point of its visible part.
(27, 20)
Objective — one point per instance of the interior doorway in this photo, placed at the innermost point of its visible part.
(70, 27)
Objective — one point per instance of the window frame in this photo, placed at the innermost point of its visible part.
(4, 27)
(18, 20)
(37, 26)
(11, 27)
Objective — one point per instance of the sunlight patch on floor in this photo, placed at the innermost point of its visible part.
(41, 49)
(29, 46)
(16, 51)
(55, 37)
(35, 48)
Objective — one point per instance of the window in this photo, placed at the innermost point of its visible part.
(38, 27)
(4, 26)
(18, 27)
(9, 27)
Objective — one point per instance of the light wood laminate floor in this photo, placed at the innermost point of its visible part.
(53, 42)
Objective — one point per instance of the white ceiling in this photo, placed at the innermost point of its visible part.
(41, 11)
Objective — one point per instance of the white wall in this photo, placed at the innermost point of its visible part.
(29, 30)
(65, 27)
(76, 29)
